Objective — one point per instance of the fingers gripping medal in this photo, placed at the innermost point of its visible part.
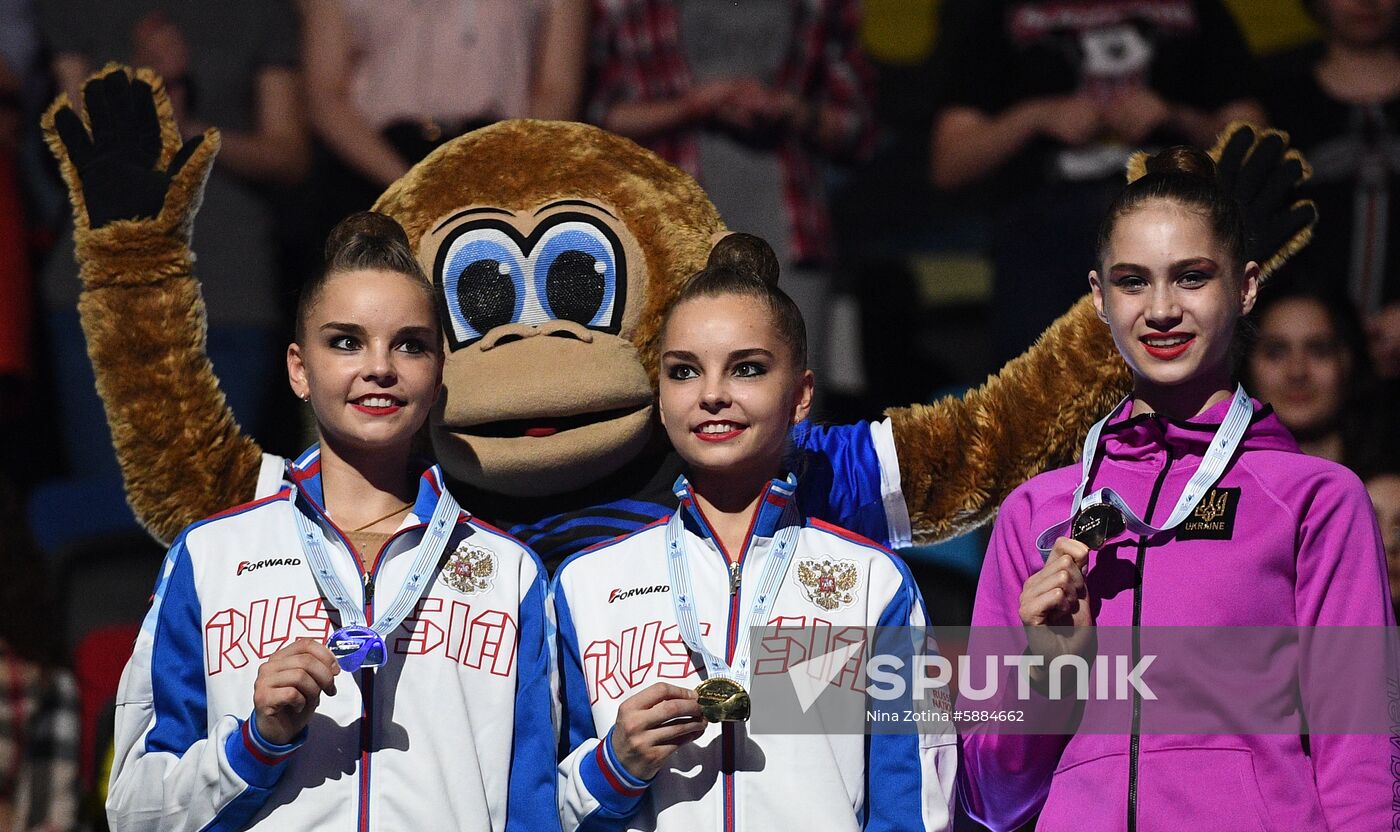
(722, 700)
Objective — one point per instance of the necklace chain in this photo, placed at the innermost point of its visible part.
(378, 520)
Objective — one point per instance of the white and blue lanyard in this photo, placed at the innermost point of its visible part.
(683, 591)
(428, 554)
(1216, 459)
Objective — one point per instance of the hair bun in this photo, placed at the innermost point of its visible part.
(745, 254)
(361, 228)
(1182, 160)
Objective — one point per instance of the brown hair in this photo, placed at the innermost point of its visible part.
(364, 240)
(1186, 176)
(745, 265)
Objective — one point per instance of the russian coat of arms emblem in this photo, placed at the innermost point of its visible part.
(470, 569)
(828, 583)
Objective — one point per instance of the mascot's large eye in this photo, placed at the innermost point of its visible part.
(576, 275)
(483, 283)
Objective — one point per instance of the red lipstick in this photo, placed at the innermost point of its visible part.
(732, 431)
(393, 407)
(1167, 353)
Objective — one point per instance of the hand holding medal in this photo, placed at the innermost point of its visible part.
(1055, 608)
(652, 724)
(289, 687)
(1057, 595)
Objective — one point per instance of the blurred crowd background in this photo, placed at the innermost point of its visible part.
(930, 172)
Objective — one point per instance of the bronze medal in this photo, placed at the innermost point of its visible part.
(722, 700)
(1096, 524)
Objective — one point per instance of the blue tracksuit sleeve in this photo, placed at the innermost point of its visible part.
(849, 476)
(531, 803)
(595, 790)
(910, 770)
(171, 769)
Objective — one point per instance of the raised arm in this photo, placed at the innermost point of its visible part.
(135, 190)
(959, 458)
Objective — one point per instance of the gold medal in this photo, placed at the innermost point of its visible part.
(1096, 524)
(722, 700)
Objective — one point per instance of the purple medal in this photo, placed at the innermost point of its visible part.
(357, 647)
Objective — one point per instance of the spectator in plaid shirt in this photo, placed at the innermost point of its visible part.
(750, 99)
(39, 703)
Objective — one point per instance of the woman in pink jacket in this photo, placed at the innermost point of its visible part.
(1291, 542)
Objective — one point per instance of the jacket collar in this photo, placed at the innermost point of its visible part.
(305, 472)
(777, 495)
(1151, 437)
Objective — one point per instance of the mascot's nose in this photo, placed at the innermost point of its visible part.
(502, 335)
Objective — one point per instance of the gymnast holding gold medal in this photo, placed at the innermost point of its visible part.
(656, 660)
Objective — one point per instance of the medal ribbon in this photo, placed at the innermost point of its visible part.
(1213, 464)
(428, 552)
(683, 593)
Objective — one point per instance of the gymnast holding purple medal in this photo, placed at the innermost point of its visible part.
(359, 645)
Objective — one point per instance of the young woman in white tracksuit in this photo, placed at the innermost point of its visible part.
(234, 713)
(733, 381)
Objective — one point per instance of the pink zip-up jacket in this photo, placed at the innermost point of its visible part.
(1297, 545)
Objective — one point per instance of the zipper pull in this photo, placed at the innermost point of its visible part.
(369, 588)
(734, 578)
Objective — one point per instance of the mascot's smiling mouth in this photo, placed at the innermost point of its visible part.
(542, 426)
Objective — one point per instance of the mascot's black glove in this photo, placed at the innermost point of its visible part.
(119, 163)
(1264, 183)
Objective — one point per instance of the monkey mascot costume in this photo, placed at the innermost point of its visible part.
(557, 246)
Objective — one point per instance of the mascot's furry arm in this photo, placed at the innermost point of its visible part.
(135, 191)
(959, 458)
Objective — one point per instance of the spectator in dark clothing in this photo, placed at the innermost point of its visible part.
(1044, 101)
(1340, 102)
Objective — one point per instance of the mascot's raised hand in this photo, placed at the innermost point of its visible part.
(121, 159)
(135, 189)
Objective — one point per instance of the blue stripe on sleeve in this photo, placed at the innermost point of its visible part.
(531, 804)
(577, 710)
(177, 661)
(893, 767)
(839, 479)
(257, 761)
(235, 816)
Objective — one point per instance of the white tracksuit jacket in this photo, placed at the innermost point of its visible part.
(617, 634)
(452, 733)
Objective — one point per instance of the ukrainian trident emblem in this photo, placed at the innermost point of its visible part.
(1213, 507)
(830, 584)
(470, 569)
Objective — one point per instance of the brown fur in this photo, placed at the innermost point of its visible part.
(182, 454)
(958, 458)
